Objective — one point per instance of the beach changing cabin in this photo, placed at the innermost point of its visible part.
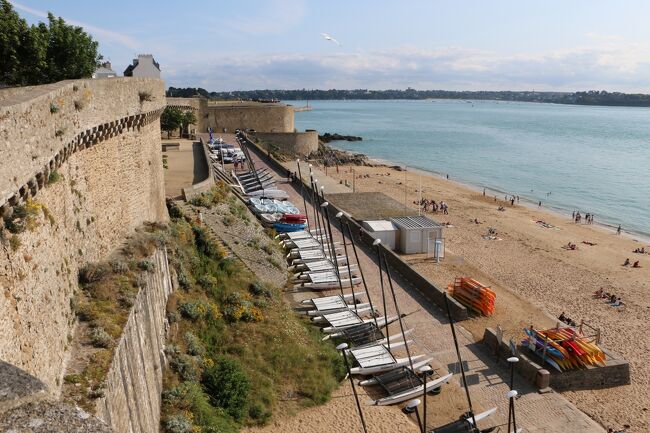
(382, 229)
(419, 234)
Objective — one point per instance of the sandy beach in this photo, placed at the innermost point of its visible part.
(535, 278)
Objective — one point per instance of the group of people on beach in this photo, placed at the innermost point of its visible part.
(611, 298)
(577, 217)
(435, 207)
(635, 265)
(639, 250)
(611, 430)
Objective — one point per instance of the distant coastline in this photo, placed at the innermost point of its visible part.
(591, 97)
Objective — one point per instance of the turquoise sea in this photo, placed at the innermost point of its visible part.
(591, 159)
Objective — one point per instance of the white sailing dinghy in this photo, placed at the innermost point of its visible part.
(319, 266)
(378, 359)
(332, 302)
(325, 318)
(325, 281)
(403, 394)
(347, 319)
(313, 255)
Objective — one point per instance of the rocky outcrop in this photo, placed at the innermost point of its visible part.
(327, 137)
(329, 156)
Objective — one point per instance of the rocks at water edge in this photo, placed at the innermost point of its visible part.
(327, 137)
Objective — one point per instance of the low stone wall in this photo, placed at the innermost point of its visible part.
(292, 143)
(207, 183)
(616, 371)
(134, 382)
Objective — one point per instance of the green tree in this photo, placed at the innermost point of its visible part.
(71, 52)
(189, 118)
(171, 119)
(13, 31)
(43, 53)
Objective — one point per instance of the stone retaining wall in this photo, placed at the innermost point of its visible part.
(207, 183)
(134, 382)
(291, 143)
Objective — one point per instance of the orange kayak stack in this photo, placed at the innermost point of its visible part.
(473, 295)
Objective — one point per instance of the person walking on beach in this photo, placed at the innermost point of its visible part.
(618, 230)
(539, 204)
(573, 215)
(483, 192)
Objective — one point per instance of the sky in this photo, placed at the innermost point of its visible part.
(224, 45)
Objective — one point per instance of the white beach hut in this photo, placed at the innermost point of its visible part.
(419, 234)
(382, 229)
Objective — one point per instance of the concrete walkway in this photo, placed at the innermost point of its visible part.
(186, 167)
(536, 412)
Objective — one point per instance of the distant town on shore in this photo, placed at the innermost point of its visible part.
(591, 97)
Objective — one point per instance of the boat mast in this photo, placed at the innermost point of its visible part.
(460, 361)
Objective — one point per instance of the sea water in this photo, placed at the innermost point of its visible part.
(586, 158)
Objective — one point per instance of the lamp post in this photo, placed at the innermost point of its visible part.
(342, 348)
(512, 361)
(412, 406)
(424, 370)
(512, 394)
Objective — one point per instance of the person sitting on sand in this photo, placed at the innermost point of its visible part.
(612, 299)
(617, 302)
(627, 262)
(636, 264)
(598, 293)
(561, 317)
(476, 221)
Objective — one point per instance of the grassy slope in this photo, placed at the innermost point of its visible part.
(227, 326)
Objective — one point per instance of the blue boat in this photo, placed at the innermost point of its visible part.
(288, 227)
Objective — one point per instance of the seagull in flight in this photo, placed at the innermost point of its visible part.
(329, 38)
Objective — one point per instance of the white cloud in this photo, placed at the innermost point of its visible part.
(611, 65)
(100, 33)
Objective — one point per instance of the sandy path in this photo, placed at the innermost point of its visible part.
(340, 416)
(535, 278)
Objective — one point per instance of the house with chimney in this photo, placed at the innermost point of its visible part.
(144, 66)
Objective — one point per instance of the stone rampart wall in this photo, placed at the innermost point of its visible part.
(42, 126)
(109, 162)
(131, 403)
(260, 117)
(292, 143)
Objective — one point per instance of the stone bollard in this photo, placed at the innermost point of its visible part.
(543, 379)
